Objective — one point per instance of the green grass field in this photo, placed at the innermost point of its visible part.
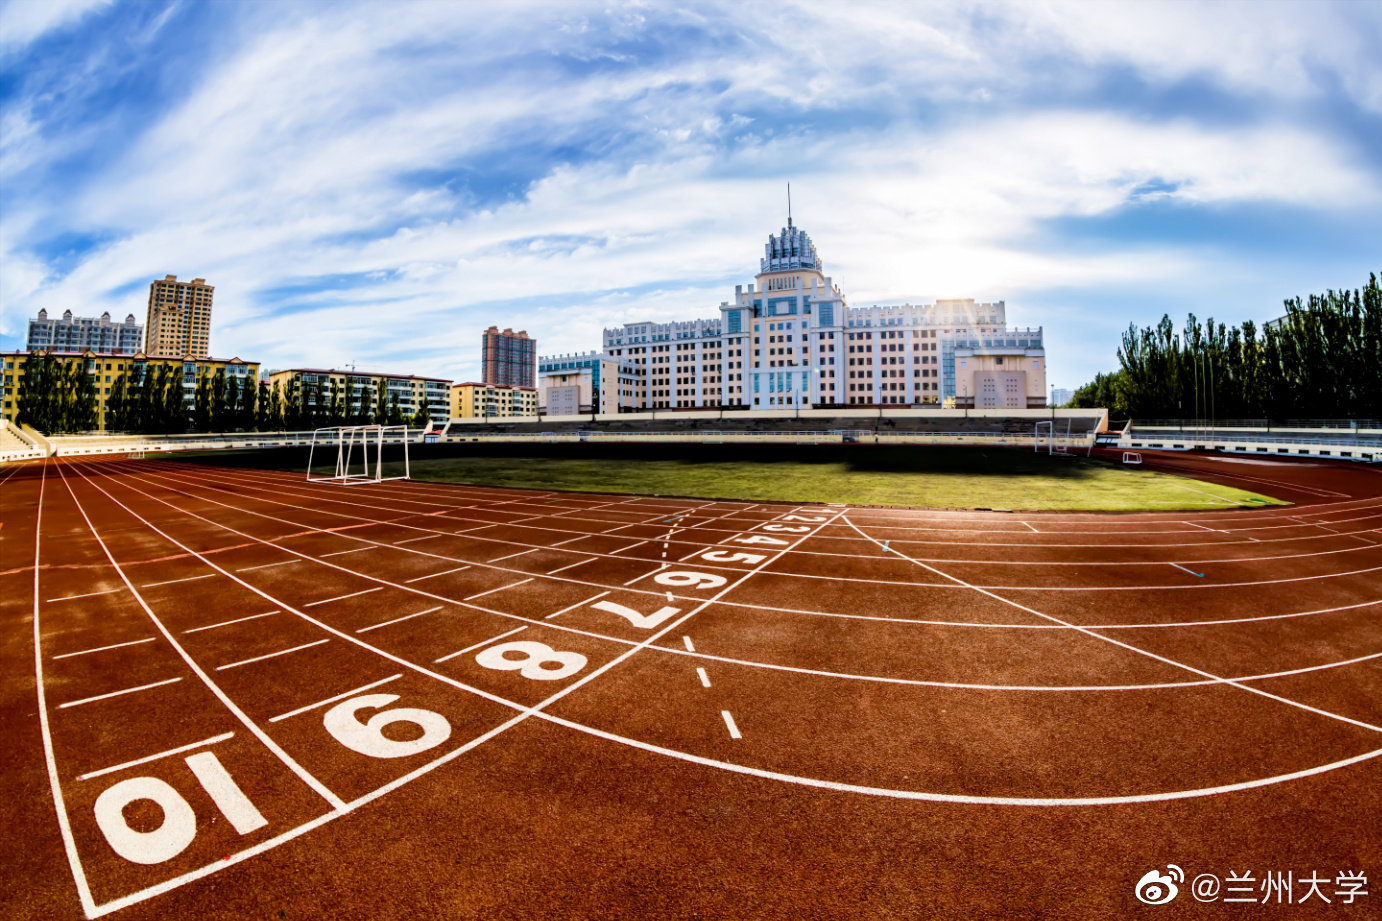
(930, 477)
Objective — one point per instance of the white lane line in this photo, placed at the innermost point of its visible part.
(705, 679)
(398, 620)
(1202, 527)
(50, 761)
(176, 581)
(321, 789)
(272, 655)
(1198, 575)
(68, 655)
(142, 687)
(227, 623)
(461, 652)
(572, 540)
(313, 604)
(589, 559)
(267, 565)
(572, 607)
(629, 547)
(344, 552)
(145, 760)
(87, 595)
(687, 641)
(1143, 652)
(493, 590)
(333, 699)
(729, 724)
(512, 555)
(1033, 529)
(433, 575)
(413, 540)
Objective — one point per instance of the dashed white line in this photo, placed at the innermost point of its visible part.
(729, 724)
(68, 655)
(341, 696)
(459, 652)
(433, 575)
(413, 540)
(705, 679)
(313, 604)
(87, 595)
(175, 581)
(268, 565)
(687, 641)
(145, 760)
(142, 687)
(344, 552)
(1033, 529)
(512, 555)
(493, 590)
(272, 655)
(398, 620)
(227, 623)
(572, 607)
(589, 559)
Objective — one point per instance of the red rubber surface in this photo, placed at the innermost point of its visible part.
(938, 714)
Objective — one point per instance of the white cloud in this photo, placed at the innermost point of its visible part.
(23, 21)
(295, 158)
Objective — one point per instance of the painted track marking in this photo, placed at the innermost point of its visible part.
(271, 655)
(461, 652)
(313, 604)
(155, 757)
(730, 724)
(68, 655)
(227, 623)
(342, 696)
(499, 589)
(142, 687)
(433, 575)
(398, 620)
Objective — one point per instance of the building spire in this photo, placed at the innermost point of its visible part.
(789, 204)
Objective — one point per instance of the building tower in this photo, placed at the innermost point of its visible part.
(179, 318)
(508, 359)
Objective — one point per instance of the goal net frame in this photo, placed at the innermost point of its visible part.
(359, 453)
(1052, 447)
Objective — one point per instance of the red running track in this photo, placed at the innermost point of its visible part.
(233, 693)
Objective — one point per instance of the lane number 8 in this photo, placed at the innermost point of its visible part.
(531, 663)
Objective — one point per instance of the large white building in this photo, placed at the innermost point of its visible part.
(790, 340)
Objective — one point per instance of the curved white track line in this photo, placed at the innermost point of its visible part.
(837, 785)
(1036, 588)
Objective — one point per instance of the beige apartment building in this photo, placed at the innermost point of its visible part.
(360, 389)
(179, 317)
(474, 400)
(105, 369)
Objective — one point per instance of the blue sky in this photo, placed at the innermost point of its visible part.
(378, 182)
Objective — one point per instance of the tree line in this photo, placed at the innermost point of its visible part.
(1323, 359)
(58, 396)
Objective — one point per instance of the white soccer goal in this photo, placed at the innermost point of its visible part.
(1052, 446)
(360, 452)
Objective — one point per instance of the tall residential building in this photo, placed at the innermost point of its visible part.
(78, 334)
(790, 340)
(508, 359)
(179, 317)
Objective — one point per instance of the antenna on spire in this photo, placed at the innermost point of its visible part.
(789, 204)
